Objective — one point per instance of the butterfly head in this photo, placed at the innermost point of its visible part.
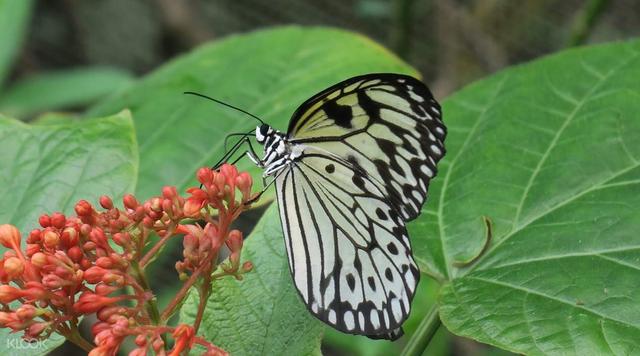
(262, 132)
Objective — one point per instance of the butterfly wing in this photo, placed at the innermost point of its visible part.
(387, 126)
(349, 253)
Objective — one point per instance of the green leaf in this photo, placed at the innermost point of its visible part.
(268, 73)
(548, 151)
(262, 314)
(48, 168)
(62, 89)
(14, 18)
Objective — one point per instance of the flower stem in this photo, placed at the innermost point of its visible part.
(152, 252)
(421, 339)
(77, 339)
(175, 302)
(152, 304)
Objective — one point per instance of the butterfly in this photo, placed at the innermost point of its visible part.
(353, 167)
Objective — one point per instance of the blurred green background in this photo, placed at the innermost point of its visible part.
(450, 42)
(75, 52)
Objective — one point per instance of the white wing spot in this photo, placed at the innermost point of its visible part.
(332, 316)
(436, 150)
(426, 170)
(440, 130)
(416, 97)
(348, 320)
(375, 321)
(361, 320)
(397, 311)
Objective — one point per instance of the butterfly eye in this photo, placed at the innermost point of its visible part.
(264, 129)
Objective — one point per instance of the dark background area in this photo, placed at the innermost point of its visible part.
(451, 42)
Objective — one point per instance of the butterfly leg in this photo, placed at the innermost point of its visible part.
(265, 186)
(230, 153)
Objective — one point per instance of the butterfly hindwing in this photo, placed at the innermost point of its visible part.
(386, 125)
(348, 248)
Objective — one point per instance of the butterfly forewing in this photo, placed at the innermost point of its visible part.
(385, 125)
(348, 248)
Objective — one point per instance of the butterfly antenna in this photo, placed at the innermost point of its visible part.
(225, 104)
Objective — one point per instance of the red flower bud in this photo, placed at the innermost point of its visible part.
(244, 183)
(167, 206)
(98, 236)
(69, 237)
(10, 236)
(54, 281)
(8, 294)
(85, 264)
(234, 242)
(155, 204)
(26, 312)
(229, 172)
(75, 254)
(192, 207)
(39, 259)
(36, 329)
(83, 208)
(51, 239)
(104, 289)
(58, 220)
(148, 222)
(94, 274)
(104, 262)
(33, 291)
(205, 175)
(91, 303)
(14, 267)
(122, 239)
(247, 266)
(85, 229)
(130, 202)
(34, 236)
(106, 202)
(141, 340)
(44, 220)
(169, 192)
(33, 248)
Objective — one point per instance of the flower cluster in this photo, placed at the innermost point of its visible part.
(93, 263)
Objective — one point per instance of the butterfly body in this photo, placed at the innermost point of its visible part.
(352, 169)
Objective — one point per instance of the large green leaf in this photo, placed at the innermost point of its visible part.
(47, 168)
(61, 89)
(550, 152)
(262, 314)
(14, 18)
(268, 73)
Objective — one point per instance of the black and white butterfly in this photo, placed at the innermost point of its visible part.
(353, 167)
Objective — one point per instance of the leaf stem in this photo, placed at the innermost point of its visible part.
(421, 339)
